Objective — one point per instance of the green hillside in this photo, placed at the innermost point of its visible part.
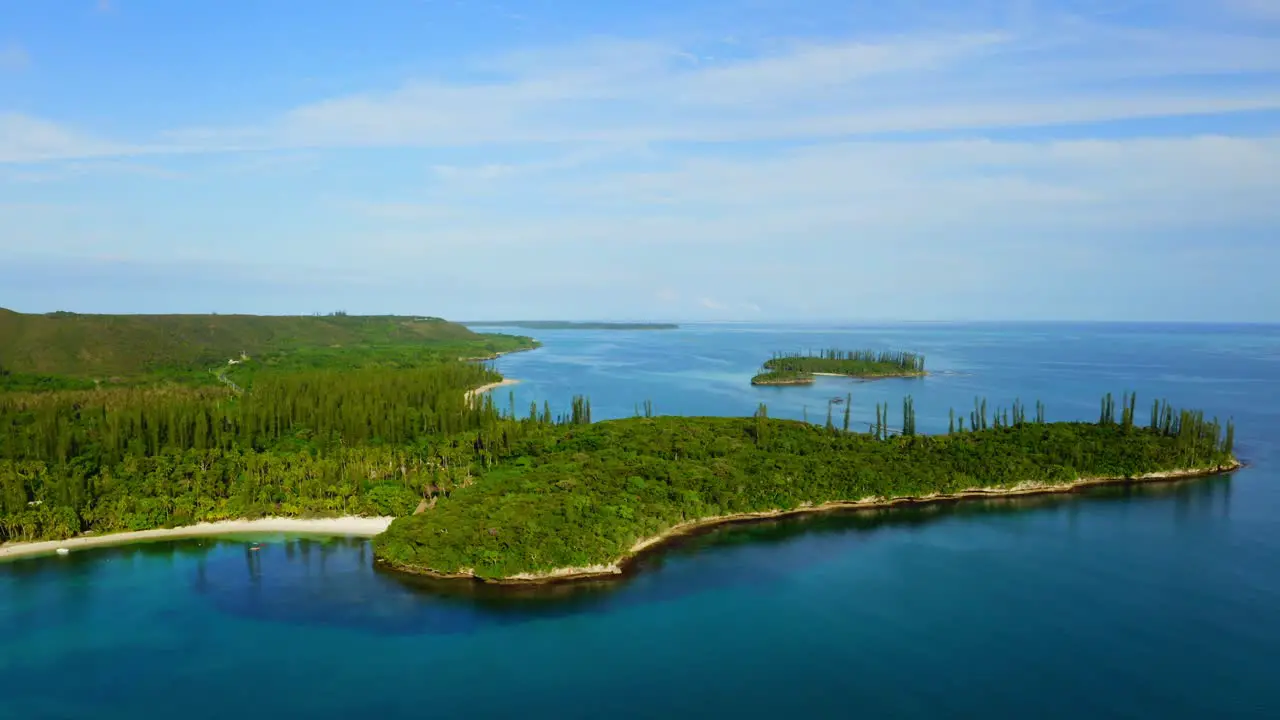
(101, 346)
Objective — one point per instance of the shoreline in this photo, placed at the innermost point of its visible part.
(619, 566)
(348, 526)
(475, 392)
(872, 377)
(496, 355)
(812, 375)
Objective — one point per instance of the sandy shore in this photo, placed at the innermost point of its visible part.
(809, 380)
(491, 386)
(617, 567)
(343, 526)
(873, 377)
(495, 356)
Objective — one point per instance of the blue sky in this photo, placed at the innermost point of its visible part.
(694, 160)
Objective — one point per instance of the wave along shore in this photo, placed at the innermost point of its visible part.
(618, 566)
(341, 526)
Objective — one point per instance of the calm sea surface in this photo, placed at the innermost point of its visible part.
(1154, 602)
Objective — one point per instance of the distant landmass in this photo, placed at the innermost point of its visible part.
(572, 325)
(35, 348)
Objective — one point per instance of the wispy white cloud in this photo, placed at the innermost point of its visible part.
(633, 92)
(25, 139)
(873, 193)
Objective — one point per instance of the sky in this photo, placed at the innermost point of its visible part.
(806, 160)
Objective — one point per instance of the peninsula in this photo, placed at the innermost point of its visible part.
(585, 500)
(800, 368)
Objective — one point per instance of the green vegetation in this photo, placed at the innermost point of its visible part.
(584, 496)
(799, 368)
(64, 350)
(573, 325)
(133, 422)
(340, 415)
(318, 443)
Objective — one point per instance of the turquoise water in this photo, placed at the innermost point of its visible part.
(1160, 601)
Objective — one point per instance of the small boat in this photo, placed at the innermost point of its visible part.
(837, 400)
(63, 551)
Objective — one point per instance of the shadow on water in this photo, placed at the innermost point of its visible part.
(334, 581)
(337, 583)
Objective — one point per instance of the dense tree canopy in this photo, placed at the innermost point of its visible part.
(799, 368)
(586, 495)
(391, 428)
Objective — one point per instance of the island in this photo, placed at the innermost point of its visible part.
(800, 368)
(572, 325)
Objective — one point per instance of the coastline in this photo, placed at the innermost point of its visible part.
(491, 386)
(353, 526)
(873, 377)
(618, 566)
(496, 355)
(809, 380)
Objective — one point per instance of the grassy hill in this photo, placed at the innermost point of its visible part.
(100, 346)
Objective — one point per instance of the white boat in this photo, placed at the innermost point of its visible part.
(63, 551)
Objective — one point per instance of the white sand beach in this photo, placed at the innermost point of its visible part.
(491, 386)
(342, 526)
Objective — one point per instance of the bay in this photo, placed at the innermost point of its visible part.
(1116, 602)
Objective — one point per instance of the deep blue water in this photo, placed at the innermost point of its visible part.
(1160, 601)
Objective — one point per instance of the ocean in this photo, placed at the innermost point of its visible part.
(1151, 601)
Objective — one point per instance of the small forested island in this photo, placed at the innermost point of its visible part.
(573, 325)
(800, 368)
(388, 423)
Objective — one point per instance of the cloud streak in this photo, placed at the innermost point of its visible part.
(638, 92)
(1040, 152)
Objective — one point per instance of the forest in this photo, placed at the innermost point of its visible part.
(800, 368)
(337, 414)
(373, 441)
(62, 350)
(581, 496)
(386, 426)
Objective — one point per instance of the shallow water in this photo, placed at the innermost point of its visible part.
(1117, 602)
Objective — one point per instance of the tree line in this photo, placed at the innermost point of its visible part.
(374, 440)
(584, 496)
(846, 361)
